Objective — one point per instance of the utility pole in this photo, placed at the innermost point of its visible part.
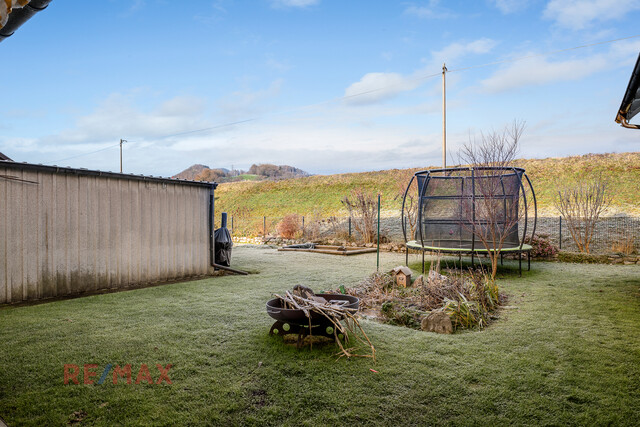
(121, 141)
(444, 116)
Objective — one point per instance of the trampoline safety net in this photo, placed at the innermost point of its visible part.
(456, 204)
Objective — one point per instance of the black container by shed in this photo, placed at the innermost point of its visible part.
(223, 243)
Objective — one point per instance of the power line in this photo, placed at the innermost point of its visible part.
(543, 54)
(367, 92)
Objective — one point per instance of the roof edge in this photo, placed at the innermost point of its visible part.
(629, 95)
(116, 175)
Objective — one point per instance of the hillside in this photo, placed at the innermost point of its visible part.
(321, 194)
(191, 172)
(263, 171)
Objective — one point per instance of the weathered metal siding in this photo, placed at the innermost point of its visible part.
(68, 233)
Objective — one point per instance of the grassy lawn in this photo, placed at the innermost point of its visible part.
(323, 193)
(568, 354)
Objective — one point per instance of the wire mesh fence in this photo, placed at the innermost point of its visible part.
(612, 234)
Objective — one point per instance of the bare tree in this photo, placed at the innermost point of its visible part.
(362, 207)
(581, 205)
(489, 215)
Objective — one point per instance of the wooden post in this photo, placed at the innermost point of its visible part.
(444, 116)
(378, 251)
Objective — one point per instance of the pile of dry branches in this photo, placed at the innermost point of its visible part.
(429, 292)
(303, 298)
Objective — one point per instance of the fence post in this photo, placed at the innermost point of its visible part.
(378, 251)
(560, 232)
(349, 227)
(231, 224)
(303, 225)
(264, 226)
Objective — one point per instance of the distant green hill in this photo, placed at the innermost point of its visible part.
(321, 194)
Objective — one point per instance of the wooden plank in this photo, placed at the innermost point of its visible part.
(331, 252)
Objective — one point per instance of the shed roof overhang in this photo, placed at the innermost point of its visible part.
(631, 101)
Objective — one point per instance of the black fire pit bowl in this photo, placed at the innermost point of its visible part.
(296, 316)
(294, 321)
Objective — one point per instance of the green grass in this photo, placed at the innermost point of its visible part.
(249, 177)
(322, 194)
(569, 354)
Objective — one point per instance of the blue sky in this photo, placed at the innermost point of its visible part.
(83, 74)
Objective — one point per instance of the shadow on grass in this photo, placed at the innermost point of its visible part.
(506, 269)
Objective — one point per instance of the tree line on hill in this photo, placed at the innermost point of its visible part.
(262, 171)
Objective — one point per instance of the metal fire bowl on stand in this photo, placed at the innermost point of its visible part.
(294, 321)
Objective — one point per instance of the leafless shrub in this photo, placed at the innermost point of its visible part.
(337, 228)
(313, 229)
(626, 245)
(289, 226)
(581, 205)
(362, 207)
(489, 218)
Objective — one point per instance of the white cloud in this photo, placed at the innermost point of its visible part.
(455, 51)
(294, 3)
(510, 6)
(540, 70)
(375, 87)
(242, 104)
(119, 117)
(275, 64)
(580, 14)
(432, 11)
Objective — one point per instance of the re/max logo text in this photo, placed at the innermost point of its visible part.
(122, 374)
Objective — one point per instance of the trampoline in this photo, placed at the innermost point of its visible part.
(467, 211)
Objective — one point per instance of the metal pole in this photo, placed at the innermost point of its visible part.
(560, 232)
(303, 224)
(378, 251)
(120, 155)
(231, 224)
(349, 227)
(444, 116)
(264, 226)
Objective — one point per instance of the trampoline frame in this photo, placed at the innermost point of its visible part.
(446, 174)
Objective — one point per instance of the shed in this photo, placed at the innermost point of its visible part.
(66, 231)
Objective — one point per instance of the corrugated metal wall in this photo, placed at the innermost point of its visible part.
(69, 233)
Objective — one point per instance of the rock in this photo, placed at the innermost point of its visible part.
(435, 276)
(437, 321)
(419, 281)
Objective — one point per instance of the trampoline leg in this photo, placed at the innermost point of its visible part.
(460, 260)
(471, 259)
(406, 255)
(520, 263)
(528, 261)
(501, 260)
(423, 261)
